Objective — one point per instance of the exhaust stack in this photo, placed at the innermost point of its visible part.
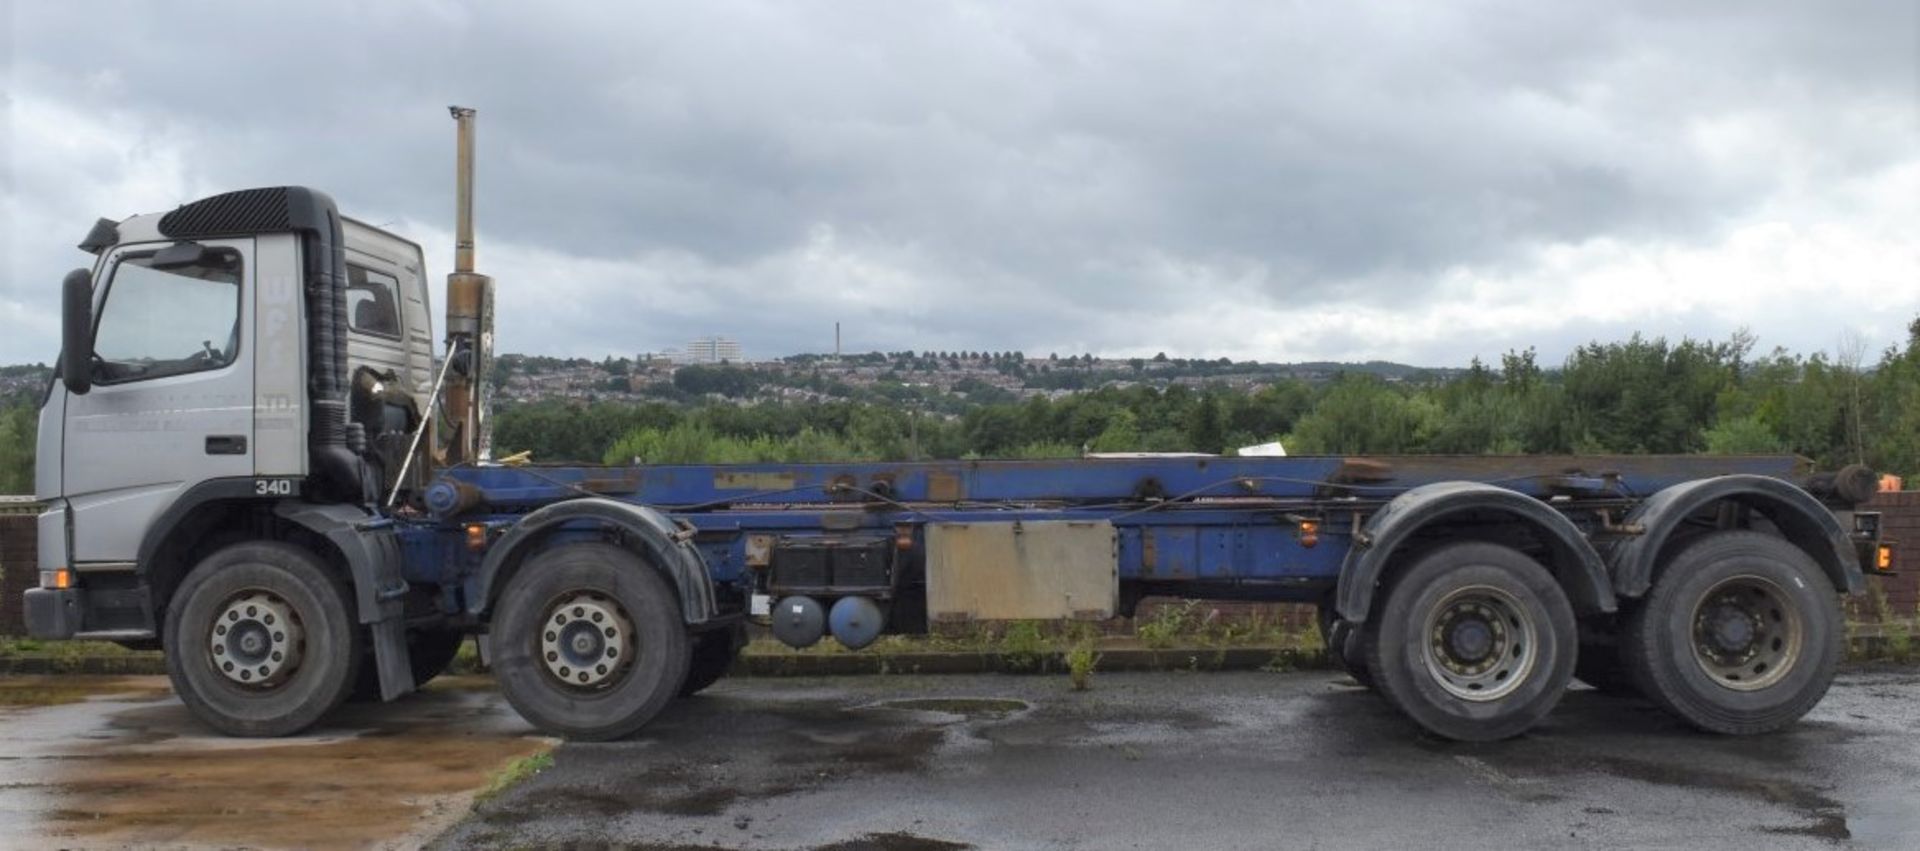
(469, 320)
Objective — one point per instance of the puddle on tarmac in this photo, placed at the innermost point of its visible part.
(105, 773)
(971, 707)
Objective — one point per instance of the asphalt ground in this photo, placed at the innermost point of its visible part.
(1207, 761)
(929, 763)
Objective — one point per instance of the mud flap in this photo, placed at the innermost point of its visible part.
(390, 656)
(373, 556)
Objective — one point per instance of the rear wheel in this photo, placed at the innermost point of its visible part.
(259, 641)
(1475, 642)
(1741, 634)
(1600, 666)
(429, 652)
(713, 655)
(589, 642)
(1343, 645)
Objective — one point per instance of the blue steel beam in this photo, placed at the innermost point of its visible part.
(709, 487)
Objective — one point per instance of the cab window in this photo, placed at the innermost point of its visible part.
(373, 302)
(170, 321)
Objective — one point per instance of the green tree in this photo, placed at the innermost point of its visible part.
(1362, 414)
(18, 426)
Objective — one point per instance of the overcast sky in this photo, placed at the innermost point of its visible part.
(1278, 181)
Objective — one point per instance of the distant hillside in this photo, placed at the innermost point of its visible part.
(979, 376)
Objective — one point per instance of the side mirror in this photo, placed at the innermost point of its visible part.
(76, 332)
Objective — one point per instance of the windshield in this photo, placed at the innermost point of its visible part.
(158, 322)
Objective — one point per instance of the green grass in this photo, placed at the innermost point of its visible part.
(15, 647)
(1034, 645)
(517, 772)
(1081, 661)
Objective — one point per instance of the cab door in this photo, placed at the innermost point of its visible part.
(172, 398)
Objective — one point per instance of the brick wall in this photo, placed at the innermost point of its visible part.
(1900, 523)
(17, 570)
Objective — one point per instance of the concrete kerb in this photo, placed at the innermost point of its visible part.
(1867, 642)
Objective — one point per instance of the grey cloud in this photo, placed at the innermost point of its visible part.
(1062, 153)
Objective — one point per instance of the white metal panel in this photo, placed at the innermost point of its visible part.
(1042, 570)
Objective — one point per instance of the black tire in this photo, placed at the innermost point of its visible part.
(429, 652)
(1600, 666)
(1480, 593)
(713, 655)
(1343, 645)
(317, 675)
(1672, 647)
(634, 690)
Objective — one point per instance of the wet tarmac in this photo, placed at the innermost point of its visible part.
(1213, 761)
(116, 762)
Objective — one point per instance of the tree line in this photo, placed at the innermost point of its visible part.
(1640, 395)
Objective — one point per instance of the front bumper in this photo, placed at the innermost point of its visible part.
(54, 613)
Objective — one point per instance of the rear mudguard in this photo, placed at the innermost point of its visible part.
(644, 530)
(1800, 518)
(1575, 563)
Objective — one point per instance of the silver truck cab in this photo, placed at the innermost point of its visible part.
(199, 390)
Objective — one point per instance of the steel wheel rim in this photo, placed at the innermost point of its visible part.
(586, 641)
(1479, 643)
(256, 639)
(1746, 633)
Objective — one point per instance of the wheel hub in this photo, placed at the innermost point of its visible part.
(1746, 633)
(1479, 643)
(586, 640)
(255, 640)
(1471, 640)
(1733, 631)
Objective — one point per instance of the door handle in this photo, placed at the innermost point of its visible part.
(226, 444)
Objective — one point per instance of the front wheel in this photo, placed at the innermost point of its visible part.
(259, 641)
(589, 643)
(1741, 634)
(1475, 642)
